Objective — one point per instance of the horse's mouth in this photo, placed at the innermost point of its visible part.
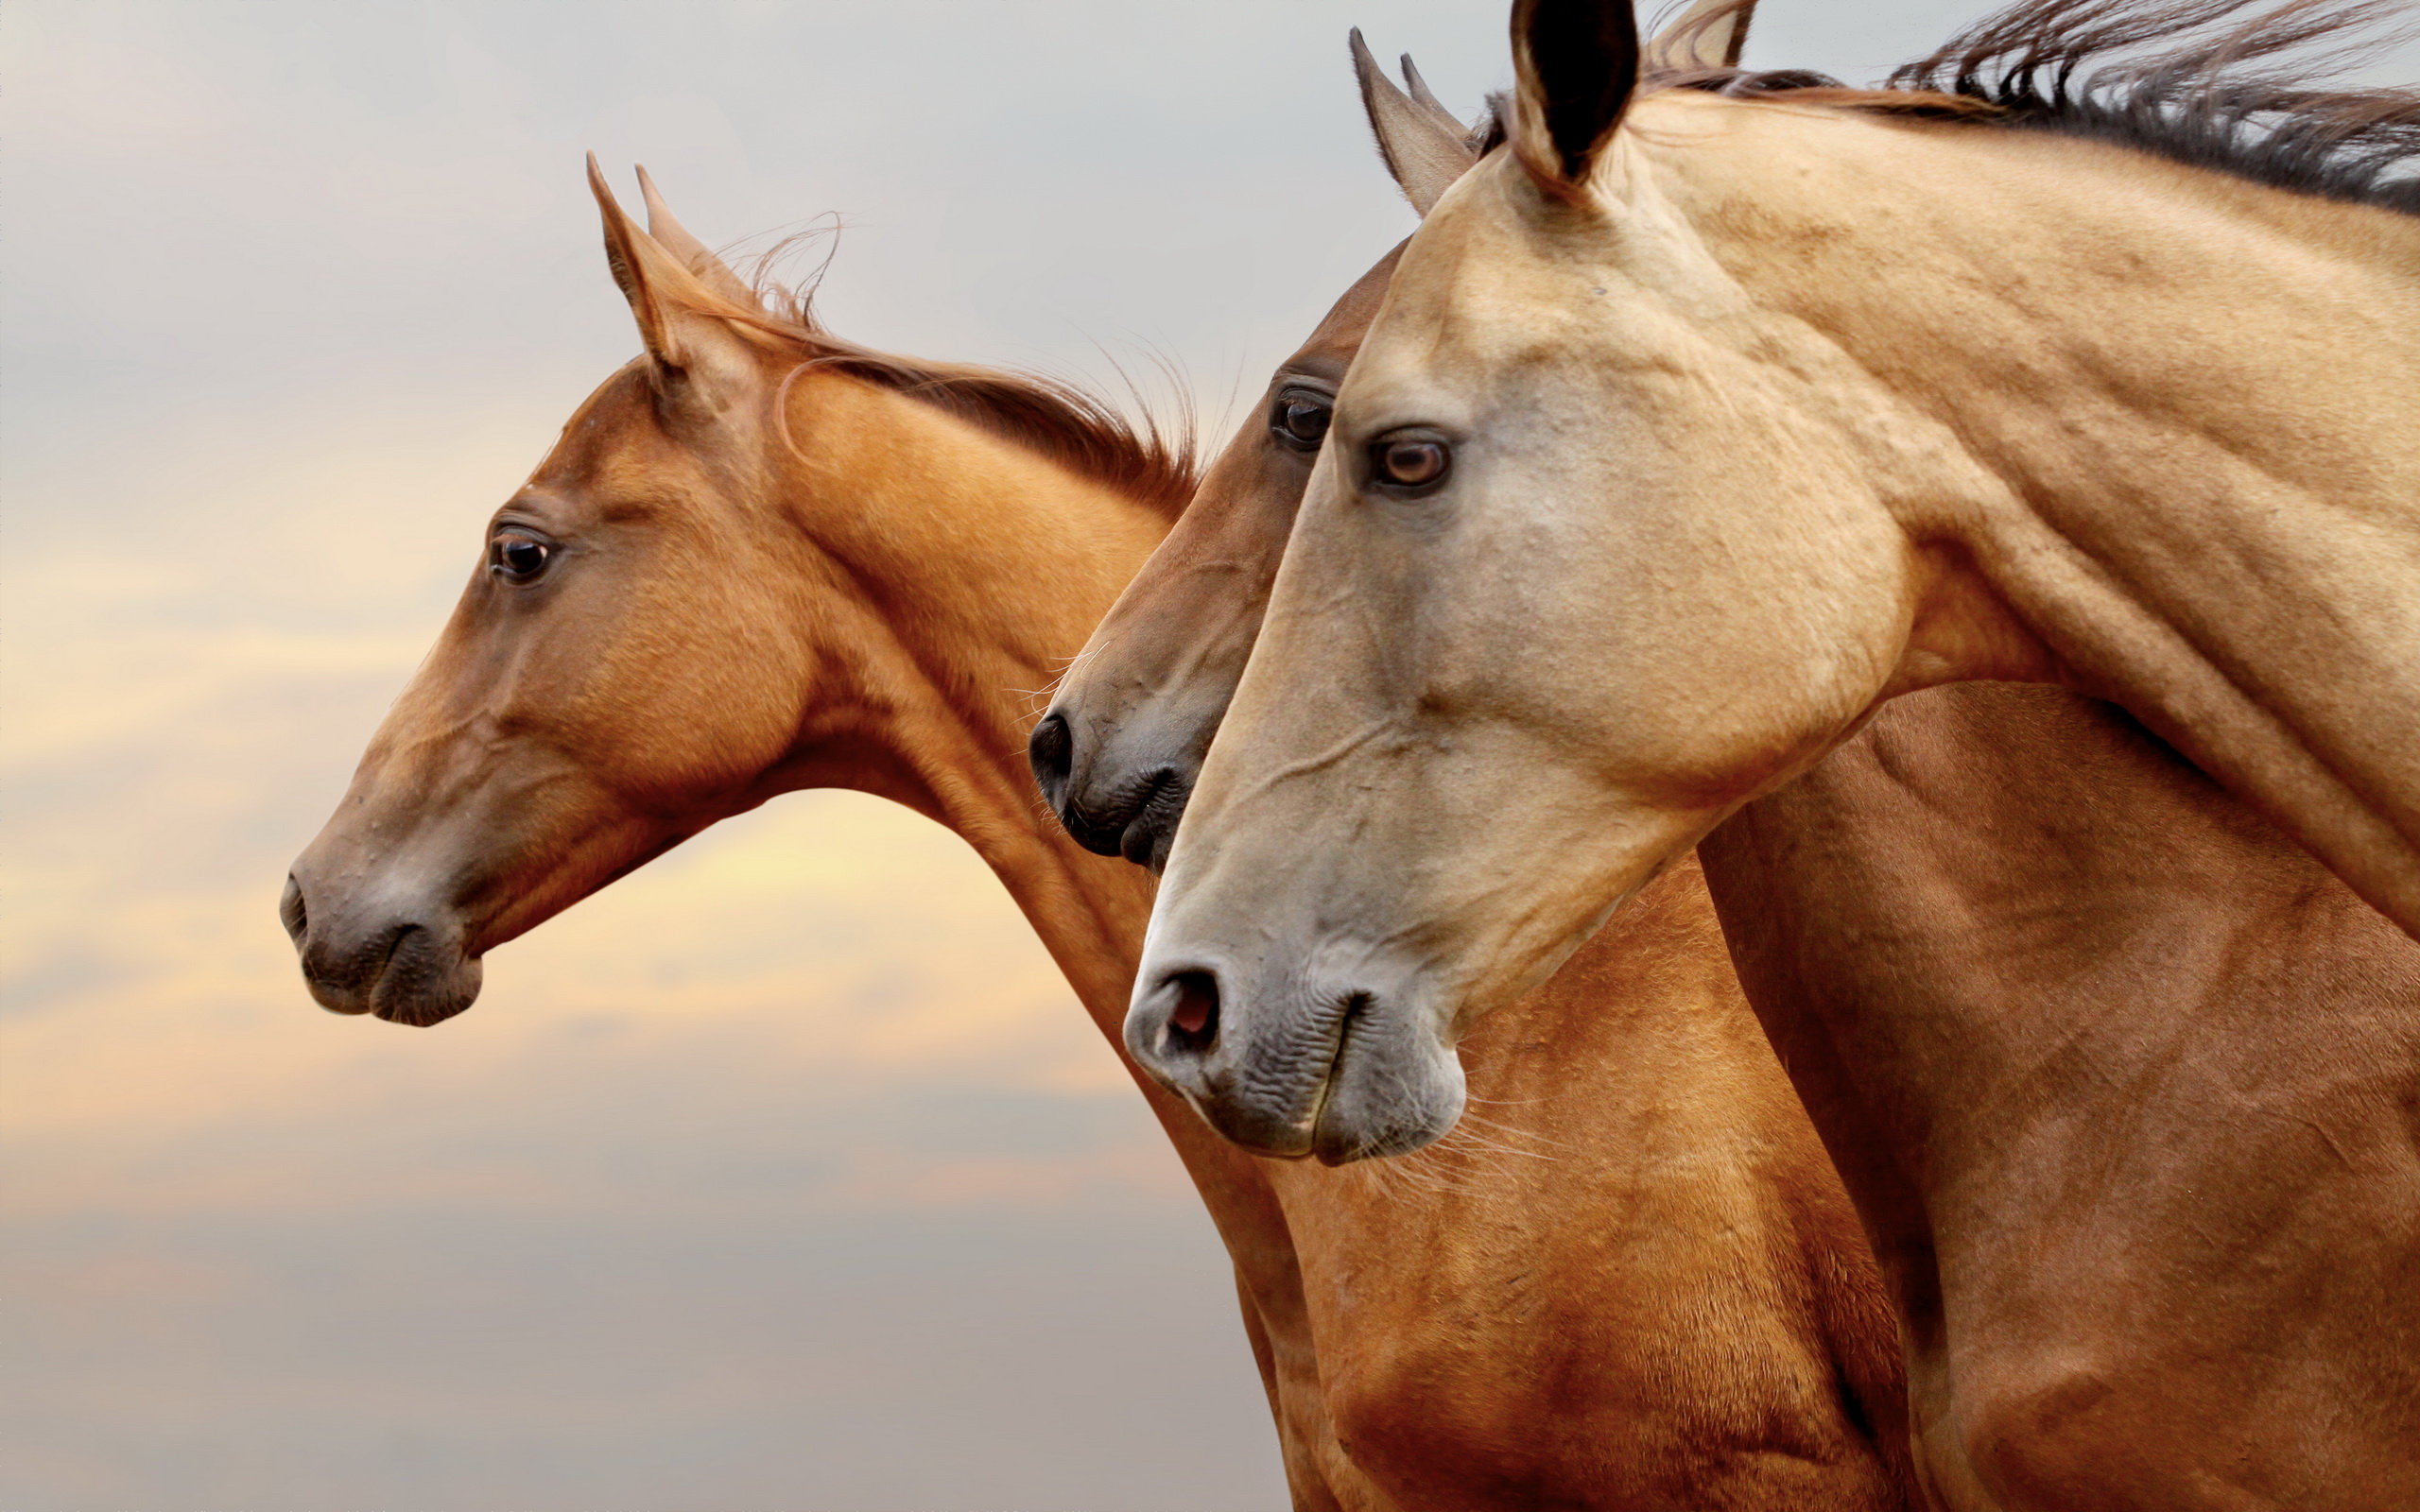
(423, 981)
(1338, 1083)
(409, 974)
(1152, 831)
(1136, 821)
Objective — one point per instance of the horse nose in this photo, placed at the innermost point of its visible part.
(400, 958)
(292, 913)
(1173, 1032)
(1053, 750)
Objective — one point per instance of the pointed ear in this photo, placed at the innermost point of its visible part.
(1709, 35)
(1424, 154)
(641, 268)
(1577, 65)
(673, 237)
(696, 353)
(1427, 98)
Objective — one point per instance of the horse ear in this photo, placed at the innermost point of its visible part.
(1425, 154)
(673, 237)
(1427, 98)
(642, 269)
(1709, 35)
(1577, 65)
(694, 351)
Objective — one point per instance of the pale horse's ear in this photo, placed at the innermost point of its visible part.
(1576, 62)
(1420, 140)
(671, 292)
(673, 237)
(1709, 35)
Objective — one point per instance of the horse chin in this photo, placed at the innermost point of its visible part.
(429, 998)
(1373, 1111)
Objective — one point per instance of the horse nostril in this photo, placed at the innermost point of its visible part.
(1194, 1025)
(1173, 1032)
(290, 911)
(1052, 749)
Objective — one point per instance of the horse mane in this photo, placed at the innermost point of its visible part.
(2223, 95)
(1154, 461)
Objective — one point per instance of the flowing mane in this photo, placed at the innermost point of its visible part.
(2224, 93)
(1153, 461)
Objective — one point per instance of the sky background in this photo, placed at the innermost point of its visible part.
(785, 1174)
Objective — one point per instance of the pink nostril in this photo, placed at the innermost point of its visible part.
(1197, 1004)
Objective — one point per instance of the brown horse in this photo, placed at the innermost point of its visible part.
(2125, 1086)
(761, 558)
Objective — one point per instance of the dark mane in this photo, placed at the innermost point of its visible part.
(2233, 89)
(1152, 461)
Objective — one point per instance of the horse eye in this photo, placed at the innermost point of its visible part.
(517, 557)
(1300, 420)
(1409, 462)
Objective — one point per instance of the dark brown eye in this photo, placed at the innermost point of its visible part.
(1410, 461)
(1301, 419)
(517, 557)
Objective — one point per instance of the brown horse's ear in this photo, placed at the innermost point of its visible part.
(697, 352)
(674, 238)
(644, 270)
(1422, 148)
(1707, 36)
(1577, 65)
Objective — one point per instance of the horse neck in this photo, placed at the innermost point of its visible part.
(2145, 938)
(978, 568)
(2175, 409)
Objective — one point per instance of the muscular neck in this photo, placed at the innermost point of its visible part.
(979, 569)
(2173, 409)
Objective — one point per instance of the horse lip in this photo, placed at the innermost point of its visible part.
(350, 1005)
(1126, 822)
(1273, 1140)
(435, 990)
(1152, 831)
(412, 974)
(388, 1008)
(1285, 1138)
(1325, 1141)
(413, 1013)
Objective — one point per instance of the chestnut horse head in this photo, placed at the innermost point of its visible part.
(670, 621)
(1692, 426)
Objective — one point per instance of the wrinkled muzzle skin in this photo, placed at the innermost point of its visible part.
(1481, 716)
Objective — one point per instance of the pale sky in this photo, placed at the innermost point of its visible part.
(785, 1174)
